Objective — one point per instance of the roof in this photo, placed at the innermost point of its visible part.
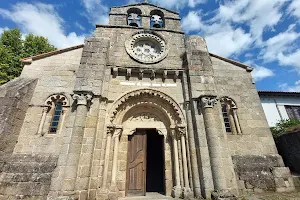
(247, 67)
(146, 3)
(278, 93)
(51, 53)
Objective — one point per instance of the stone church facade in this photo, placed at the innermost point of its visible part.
(139, 108)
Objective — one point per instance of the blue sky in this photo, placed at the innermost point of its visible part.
(262, 33)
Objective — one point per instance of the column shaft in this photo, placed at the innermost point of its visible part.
(40, 130)
(106, 162)
(177, 175)
(236, 120)
(75, 149)
(115, 161)
(185, 167)
(214, 149)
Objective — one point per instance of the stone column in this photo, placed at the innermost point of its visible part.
(40, 130)
(187, 192)
(110, 131)
(82, 100)
(213, 142)
(236, 121)
(177, 190)
(231, 119)
(116, 136)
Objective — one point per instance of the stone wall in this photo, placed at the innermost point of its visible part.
(26, 176)
(256, 138)
(56, 75)
(118, 56)
(15, 97)
(262, 173)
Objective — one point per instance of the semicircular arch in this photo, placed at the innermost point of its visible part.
(158, 100)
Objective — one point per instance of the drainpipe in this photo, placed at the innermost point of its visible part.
(278, 109)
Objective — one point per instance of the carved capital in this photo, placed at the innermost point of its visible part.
(181, 131)
(82, 98)
(114, 130)
(208, 101)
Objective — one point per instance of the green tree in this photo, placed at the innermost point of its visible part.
(285, 126)
(34, 45)
(13, 48)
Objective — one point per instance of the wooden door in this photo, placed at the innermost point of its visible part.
(136, 164)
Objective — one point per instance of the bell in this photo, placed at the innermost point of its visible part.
(156, 21)
(134, 20)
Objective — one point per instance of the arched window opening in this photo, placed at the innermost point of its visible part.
(226, 118)
(229, 113)
(134, 17)
(56, 118)
(157, 19)
(53, 114)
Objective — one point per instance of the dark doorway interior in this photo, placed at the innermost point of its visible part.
(155, 162)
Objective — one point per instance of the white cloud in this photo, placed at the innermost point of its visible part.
(294, 8)
(2, 29)
(260, 73)
(229, 41)
(283, 48)
(43, 20)
(79, 26)
(96, 11)
(191, 22)
(292, 59)
(257, 14)
(290, 88)
(194, 3)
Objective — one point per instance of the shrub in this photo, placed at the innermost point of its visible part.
(285, 126)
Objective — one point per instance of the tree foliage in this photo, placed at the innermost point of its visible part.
(285, 126)
(13, 48)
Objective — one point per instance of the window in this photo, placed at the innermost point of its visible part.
(293, 112)
(134, 17)
(56, 117)
(226, 118)
(53, 113)
(229, 113)
(157, 19)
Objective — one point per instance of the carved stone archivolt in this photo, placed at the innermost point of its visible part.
(146, 47)
(57, 98)
(149, 97)
(229, 101)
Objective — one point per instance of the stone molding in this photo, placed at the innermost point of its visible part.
(209, 101)
(82, 98)
(136, 94)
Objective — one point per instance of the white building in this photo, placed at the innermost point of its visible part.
(280, 105)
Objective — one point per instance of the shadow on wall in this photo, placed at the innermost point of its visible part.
(288, 146)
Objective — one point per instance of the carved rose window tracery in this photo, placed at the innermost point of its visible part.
(146, 48)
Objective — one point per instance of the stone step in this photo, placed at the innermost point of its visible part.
(148, 196)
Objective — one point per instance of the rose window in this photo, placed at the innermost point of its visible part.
(146, 48)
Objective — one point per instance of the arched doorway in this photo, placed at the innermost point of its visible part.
(133, 117)
(145, 163)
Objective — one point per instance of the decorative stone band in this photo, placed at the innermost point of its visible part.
(208, 101)
(82, 98)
